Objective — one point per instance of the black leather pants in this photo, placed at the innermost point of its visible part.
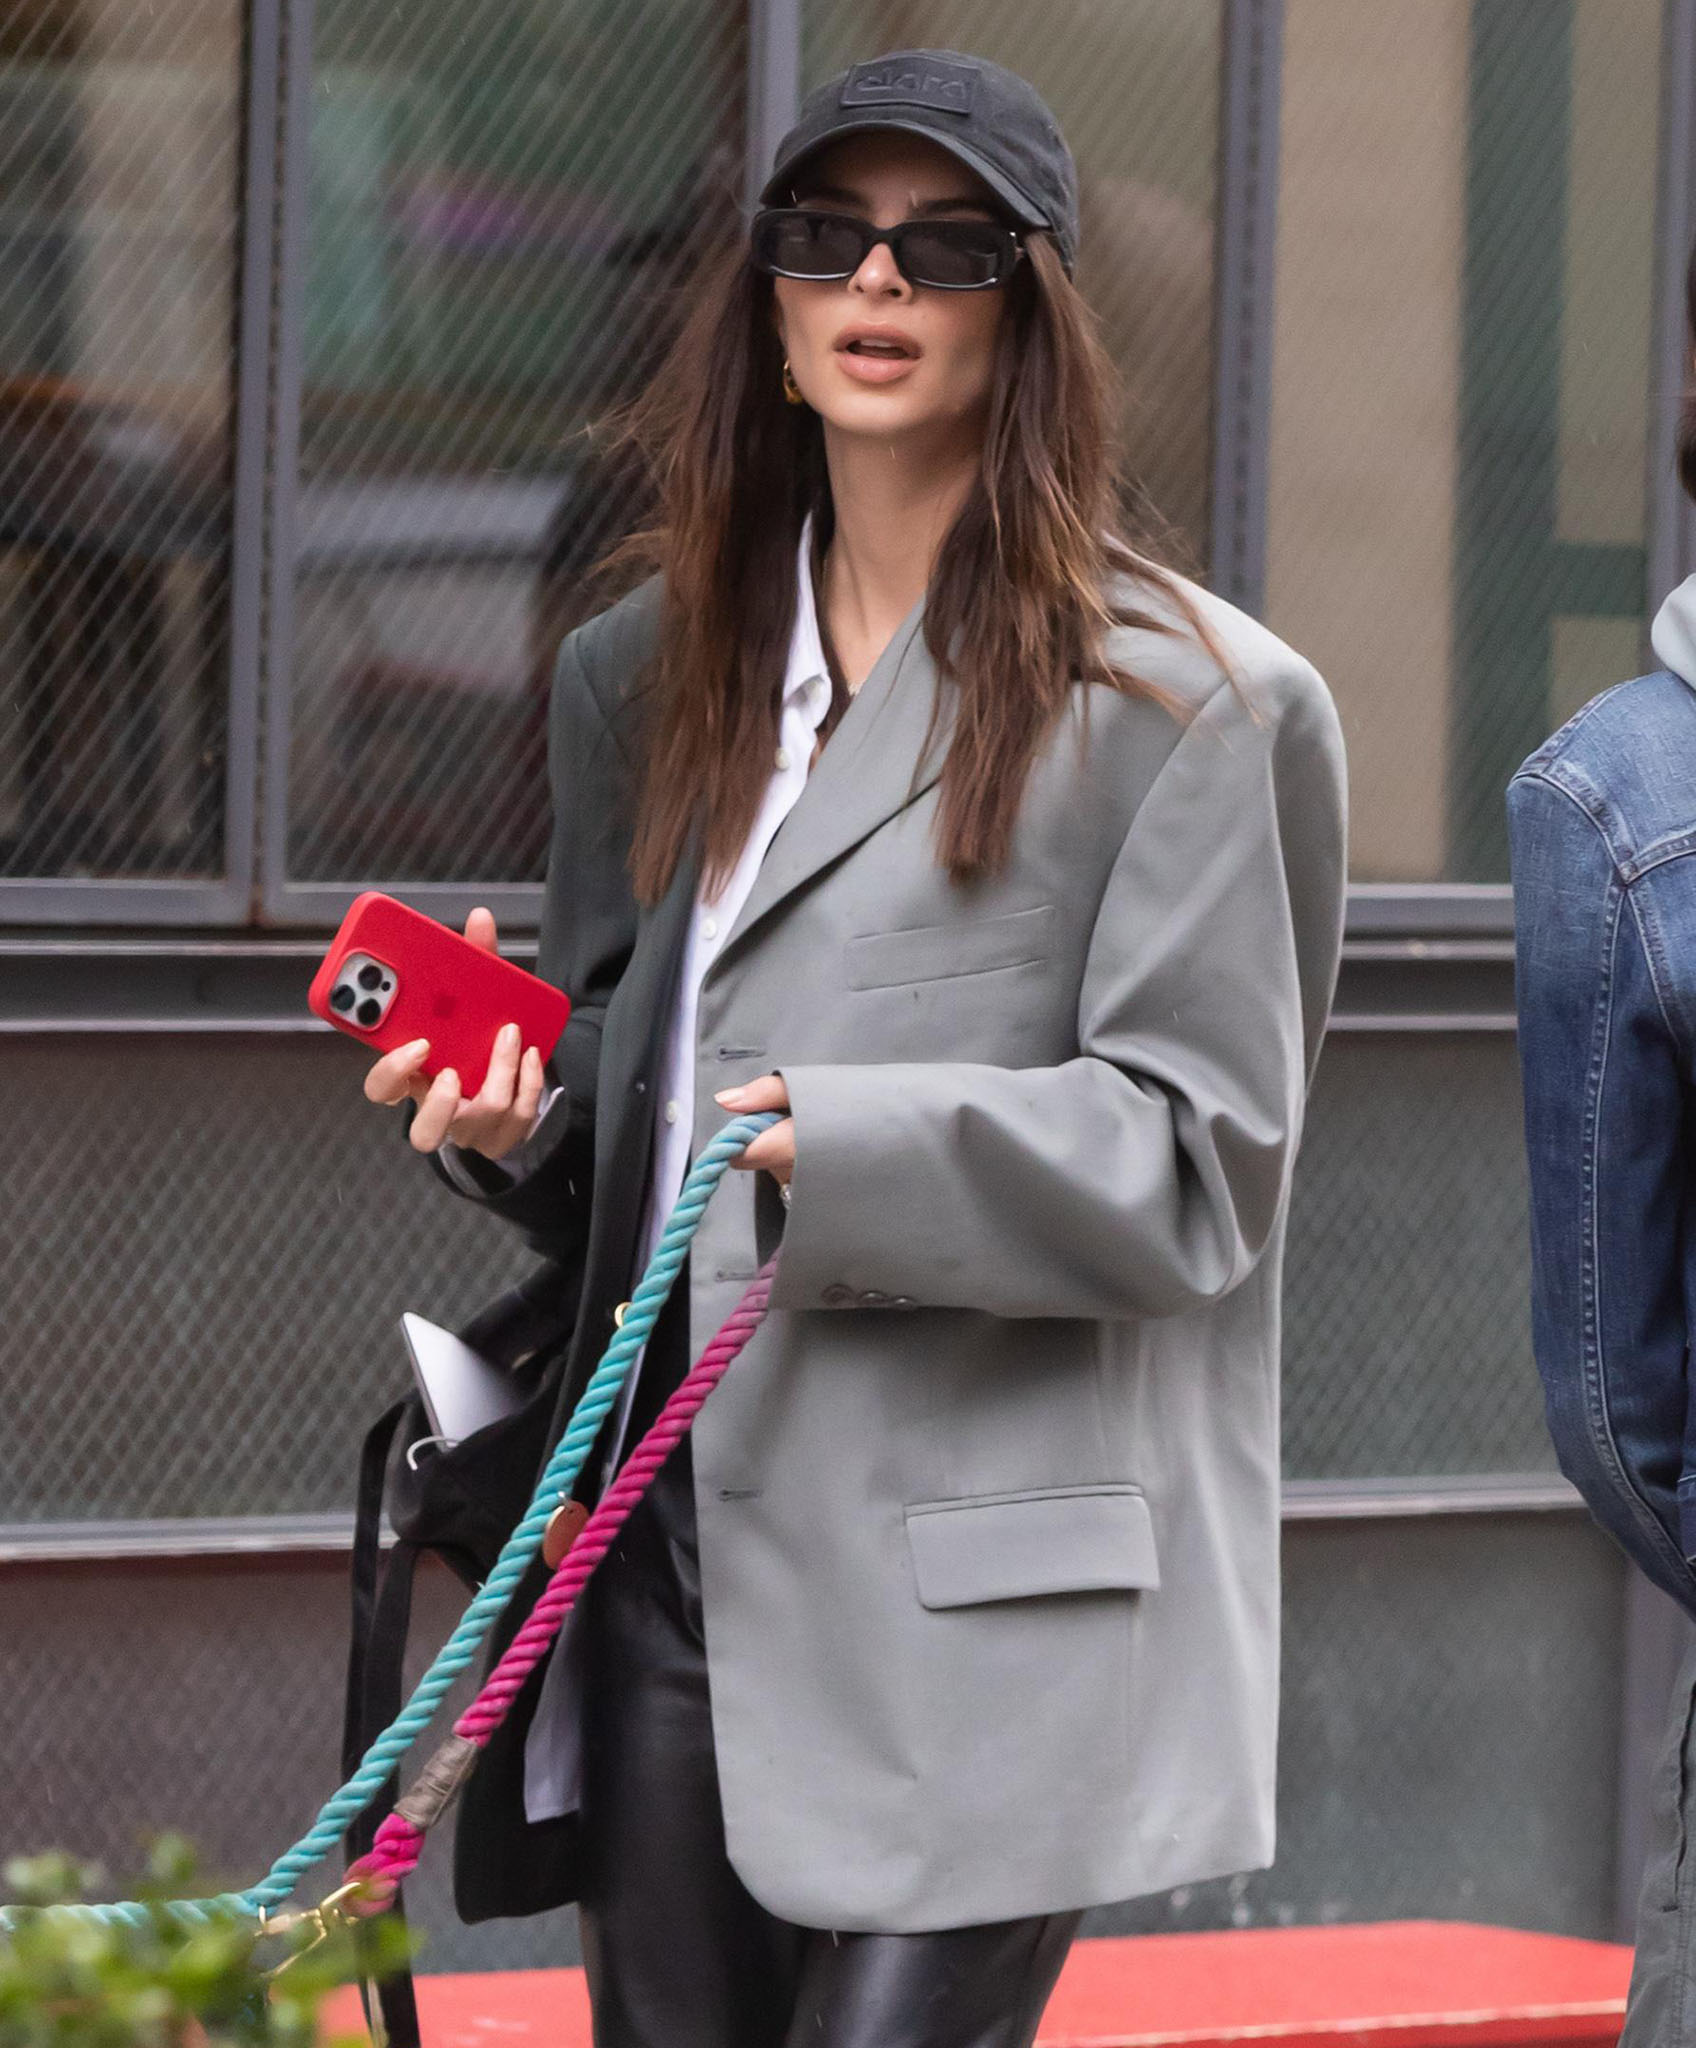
(679, 1955)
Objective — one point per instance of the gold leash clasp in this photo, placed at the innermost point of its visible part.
(324, 1919)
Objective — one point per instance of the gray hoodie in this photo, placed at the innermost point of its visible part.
(1673, 635)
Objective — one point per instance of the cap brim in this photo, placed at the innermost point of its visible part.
(1009, 195)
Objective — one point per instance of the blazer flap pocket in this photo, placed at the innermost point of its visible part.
(932, 952)
(1014, 1546)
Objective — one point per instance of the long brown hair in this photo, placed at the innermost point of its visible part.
(1019, 602)
(1685, 447)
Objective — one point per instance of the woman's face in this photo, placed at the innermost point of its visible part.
(873, 354)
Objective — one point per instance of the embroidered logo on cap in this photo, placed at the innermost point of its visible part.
(934, 83)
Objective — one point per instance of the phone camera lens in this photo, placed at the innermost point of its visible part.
(341, 997)
(370, 977)
(370, 1012)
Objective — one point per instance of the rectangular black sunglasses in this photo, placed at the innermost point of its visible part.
(947, 255)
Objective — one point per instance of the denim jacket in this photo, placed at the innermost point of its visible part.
(1602, 819)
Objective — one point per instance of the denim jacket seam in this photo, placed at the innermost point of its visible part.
(1659, 853)
(1654, 956)
(1595, 1362)
(1585, 798)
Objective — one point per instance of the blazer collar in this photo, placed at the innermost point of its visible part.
(876, 764)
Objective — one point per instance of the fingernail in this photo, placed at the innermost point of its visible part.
(418, 1045)
(727, 1098)
(509, 1034)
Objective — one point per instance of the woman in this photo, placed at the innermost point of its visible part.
(912, 802)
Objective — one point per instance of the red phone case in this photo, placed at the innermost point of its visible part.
(448, 990)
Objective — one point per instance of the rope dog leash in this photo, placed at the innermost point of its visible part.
(258, 1902)
(400, 1840)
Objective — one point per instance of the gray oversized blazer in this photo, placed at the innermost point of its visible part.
(989, 1507)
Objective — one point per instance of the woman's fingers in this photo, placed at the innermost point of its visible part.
(529, 1097)
(436, 1112)
(500, 1083)
(503, 1112)
(480, 930)
(771, 1152)
(397, 1074)
(768, 1092)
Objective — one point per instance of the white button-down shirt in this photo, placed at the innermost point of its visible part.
(806, 699)
(552, 1760)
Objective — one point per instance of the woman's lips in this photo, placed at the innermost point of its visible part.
(869, 368)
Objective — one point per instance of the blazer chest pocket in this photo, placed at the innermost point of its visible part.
(933, 952)
(1017, 1546)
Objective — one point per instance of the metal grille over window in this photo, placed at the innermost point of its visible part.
(1407, 1330)
(1461, 392)
(119, 131)
(504, 202)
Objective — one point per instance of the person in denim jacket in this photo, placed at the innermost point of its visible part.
(1602, 820)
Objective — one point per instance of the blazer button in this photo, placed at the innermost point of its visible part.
(871, 1298)
(836, 1295)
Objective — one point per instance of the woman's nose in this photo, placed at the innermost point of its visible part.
(878, 277)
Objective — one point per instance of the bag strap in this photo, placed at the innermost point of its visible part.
(382, 1617)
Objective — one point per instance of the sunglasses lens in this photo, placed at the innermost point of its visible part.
(958, 255)
(809, 244)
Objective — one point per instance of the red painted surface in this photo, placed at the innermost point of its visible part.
(1405, 1984)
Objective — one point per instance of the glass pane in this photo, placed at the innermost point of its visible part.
(1461, 384)
(502, 199)
(119, 132)
(1135, 86)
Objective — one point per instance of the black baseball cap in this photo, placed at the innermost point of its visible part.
(987, 117)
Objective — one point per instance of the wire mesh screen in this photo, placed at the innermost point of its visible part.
(1462, 386)
(1135, 86)
(219, 1690)
(119, 129)
(1418, 1739)
(504, 202)
(209, 1243)
(1407, 1338)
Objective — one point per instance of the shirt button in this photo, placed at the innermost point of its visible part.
(782, 758)
(672, 1112)
(709, 927)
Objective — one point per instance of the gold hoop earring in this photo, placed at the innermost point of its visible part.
(791, 390)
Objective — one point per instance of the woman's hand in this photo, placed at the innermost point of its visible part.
(772, 1151)
(498, 1117)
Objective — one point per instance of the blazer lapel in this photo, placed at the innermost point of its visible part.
(632, 1043)
(875, 765)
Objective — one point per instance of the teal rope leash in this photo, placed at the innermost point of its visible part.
(456, 1654)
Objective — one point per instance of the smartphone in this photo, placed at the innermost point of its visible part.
(392, 975)
(462, 1391)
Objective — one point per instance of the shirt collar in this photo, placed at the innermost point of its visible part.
(807, 665)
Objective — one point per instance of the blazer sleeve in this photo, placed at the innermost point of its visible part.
(588, 928)
(1606, 1130)
(1145, 1176)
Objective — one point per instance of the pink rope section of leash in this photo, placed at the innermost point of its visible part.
(400, 1840)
